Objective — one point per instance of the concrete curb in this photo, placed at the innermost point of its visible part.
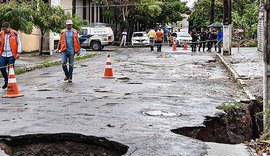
(235, 76)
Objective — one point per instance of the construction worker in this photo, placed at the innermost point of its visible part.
(152, 36)
(69, 45)
(124, 38)
(159, 39)
(10, 47)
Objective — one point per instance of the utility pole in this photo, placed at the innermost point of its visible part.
(266, 80)
(227, 27)
(212, 12)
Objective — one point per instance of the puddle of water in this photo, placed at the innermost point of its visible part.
(134, 83)
(103, 90)
(44, 90)
(161, 113)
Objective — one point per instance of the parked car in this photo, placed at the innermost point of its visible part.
(96, 37)
(180, 38)
(140, 38)
(92, 37)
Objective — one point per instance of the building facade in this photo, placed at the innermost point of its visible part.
(90, 11)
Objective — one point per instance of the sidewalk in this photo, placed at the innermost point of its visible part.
(246, 67)
(31, 60)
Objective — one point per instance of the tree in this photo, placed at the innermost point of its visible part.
(200, 16)
(244, 15)
(46, 17)
(18, 15)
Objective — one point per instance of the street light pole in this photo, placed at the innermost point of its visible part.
(227, 27)
(266, 81)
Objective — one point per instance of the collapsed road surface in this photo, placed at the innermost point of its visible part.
(152, 94)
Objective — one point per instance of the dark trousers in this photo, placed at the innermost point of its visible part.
(194, 45)
(4, 62)
(159, 45)
(202, 45)
(68, 57)
(152, 43)
(211, 44)
(219, 46)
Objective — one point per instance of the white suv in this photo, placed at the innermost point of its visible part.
(96, 37)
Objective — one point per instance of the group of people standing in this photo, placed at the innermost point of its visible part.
(156, 37)
(206, 39)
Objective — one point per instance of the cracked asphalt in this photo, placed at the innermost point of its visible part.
(151, 94)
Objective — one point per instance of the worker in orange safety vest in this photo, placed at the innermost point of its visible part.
(68, 46)
(10, 47)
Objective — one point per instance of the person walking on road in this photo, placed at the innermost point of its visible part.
(194, 36)
(220, 40)
(203, 38)
(69, 45)
(124, 38)
(152, 36)
(159, 39)
(10, 47)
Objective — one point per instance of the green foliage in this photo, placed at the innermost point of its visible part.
(18, 15)
(228, 107)
(244, 15)
(246, 19)
(146, 12)
(46, 17)
(252, 43)
(200, 16)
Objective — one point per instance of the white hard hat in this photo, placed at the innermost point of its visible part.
(69, 22)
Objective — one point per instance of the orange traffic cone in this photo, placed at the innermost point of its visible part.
(185, 46)
(12, 90)
(174, 47)
(108, 73)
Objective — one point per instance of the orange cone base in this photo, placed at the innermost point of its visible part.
(108, 73)
(108, 77)
(13, 96)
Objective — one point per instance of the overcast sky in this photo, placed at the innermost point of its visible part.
(190, 3)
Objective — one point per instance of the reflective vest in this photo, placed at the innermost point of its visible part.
(63, 41)
(12, 41)
(159, 36)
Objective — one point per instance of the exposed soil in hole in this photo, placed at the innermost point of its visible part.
(62, 144)
(232, 127)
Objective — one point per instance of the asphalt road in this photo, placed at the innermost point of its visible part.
(183, 87)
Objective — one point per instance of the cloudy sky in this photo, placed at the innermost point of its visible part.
(190, 3)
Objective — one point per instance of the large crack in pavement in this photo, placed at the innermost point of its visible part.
(113, 108)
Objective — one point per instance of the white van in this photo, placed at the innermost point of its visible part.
(96, 37)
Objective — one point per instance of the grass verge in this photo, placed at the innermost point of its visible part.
(227, 107)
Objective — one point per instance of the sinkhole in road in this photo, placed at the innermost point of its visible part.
(232, 127)
(60, 144)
